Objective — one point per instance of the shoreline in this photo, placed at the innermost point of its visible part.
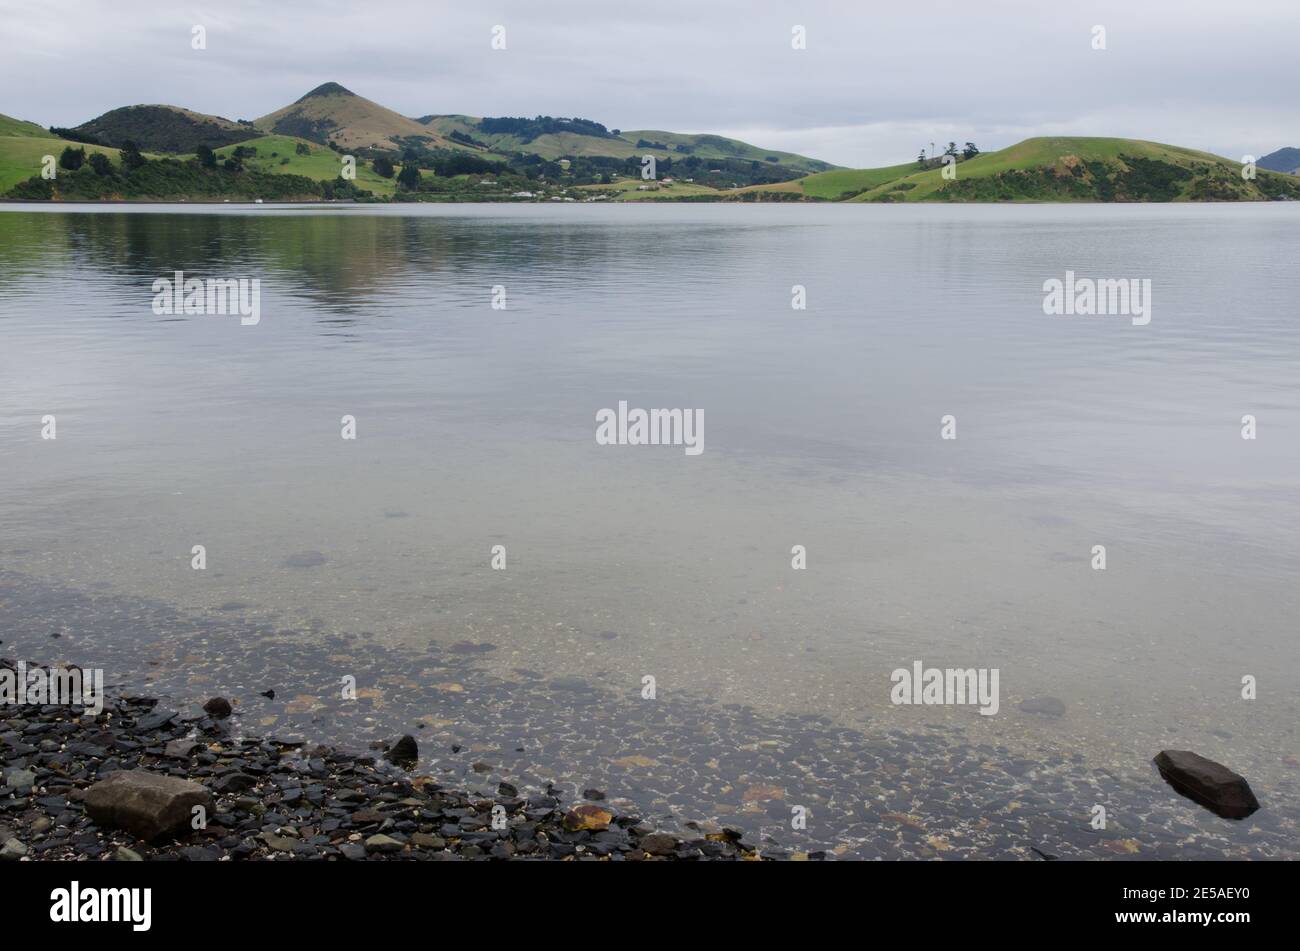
(649, 201)
(878, 790)
(284, 800)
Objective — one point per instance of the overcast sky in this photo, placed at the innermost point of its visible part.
(876, 82)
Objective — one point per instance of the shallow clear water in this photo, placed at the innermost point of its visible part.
(822, 428)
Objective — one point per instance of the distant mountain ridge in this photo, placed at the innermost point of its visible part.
(1285, 160)
(332, 114)
(332, 144)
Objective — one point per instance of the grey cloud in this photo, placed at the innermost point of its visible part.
(876, 81)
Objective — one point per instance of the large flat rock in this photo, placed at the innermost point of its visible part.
(148, 805)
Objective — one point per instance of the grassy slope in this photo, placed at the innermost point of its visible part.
(838, 183)
(321, 164)
(1031, 153)
(557, 145)
(21, 155)
(1046, 152)
(716, 146)
(23, 145)
(10, 126)
(907, 183)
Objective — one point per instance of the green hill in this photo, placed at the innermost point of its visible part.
(169, 178)
(289, 155)
(1087, 169)
(474, 158)
(562, 143)
(541, 156)
(175, 179)
(1049, 169)
(163, 129)
(838, 184)
(20, 127)
(23, 147)
(331, 113)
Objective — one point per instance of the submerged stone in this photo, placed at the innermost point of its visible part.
(405, 752)
(1211, 784)
(218, 708)
(1044, 706)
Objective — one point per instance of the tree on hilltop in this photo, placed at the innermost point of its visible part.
(409, 178)
(131, 157)
(72, 159)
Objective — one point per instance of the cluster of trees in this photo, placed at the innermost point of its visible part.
(451, 163)
(457, 136)
(528, 129)
(75, 136)
(72, 159)
(234, 163)
(131, 158)
(94, 175)
(442, 162)
(408, 179)
(518, 171)
(602, 169)
(969, 152)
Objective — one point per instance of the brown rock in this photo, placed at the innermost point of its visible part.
(588, 817)
(148, 805)
(659, 843)
(404, 752)
(182, 749)
(1211, 784)
(218, 708)
(762, 793)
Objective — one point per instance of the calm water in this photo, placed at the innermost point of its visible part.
(476, 428)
